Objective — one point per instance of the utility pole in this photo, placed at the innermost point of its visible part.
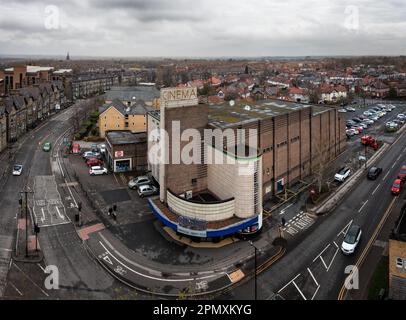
(255, 267)
(26, 192)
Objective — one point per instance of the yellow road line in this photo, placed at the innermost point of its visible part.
(360, 260)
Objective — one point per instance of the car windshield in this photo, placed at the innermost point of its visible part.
(17, 167)
(343, 171)
(403, 171)
(351, 236)
(396, 185)
(373, 170)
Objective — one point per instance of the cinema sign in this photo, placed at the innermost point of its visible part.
(179, 97)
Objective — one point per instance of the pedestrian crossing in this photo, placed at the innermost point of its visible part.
(300, 222)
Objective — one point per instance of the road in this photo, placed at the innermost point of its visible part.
(80, 277)
(313, 267)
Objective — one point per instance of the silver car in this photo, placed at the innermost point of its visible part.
(147, 190)
(139, 181)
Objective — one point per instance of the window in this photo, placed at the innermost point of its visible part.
(399, 263)
(126, 124)
(194, 181)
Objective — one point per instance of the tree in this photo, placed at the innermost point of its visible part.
(393, 92)
(247, 71)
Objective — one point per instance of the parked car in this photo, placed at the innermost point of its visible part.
(342, 174)
(139, 181)
(147, 190)
(342, 110)
(357, 120)
(374, 172)
(94, 147)
(17, 170)
(76, 148)
(401, 116)
(87, 154)
(350, 109)
(97, 170)
(46, 147)
(351, 239)
(102, 148)
(402, 173)
(94, 162)
(369, 121)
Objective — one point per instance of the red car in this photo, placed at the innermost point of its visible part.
(397, 186)
(402, 173)
(94, 162)
(76, 148)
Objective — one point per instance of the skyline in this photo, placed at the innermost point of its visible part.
(176, 29)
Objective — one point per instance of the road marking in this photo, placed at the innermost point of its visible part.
(363, 206)
(15, 288)
(43, 215)
(301, 293)
(317, 284)
(322, 252)
(384, 178)
(42, 268)
(376, 189)
(59, 213)
(284, 209)
(332, 260)
(150, 277)
(46, 294)
(360, 260)
(289, 283)
(345, 228)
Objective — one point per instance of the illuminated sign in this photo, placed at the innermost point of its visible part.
(119, 154)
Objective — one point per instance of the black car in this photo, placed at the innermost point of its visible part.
(357, 120)
(374, 172)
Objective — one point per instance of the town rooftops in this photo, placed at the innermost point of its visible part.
(63, 71)
(145, 93)
(139, 109)
(125, 137)
(32, 69)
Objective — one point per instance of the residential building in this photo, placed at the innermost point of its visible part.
(116, 116)
(332, 94)
(397, 259)
(3, 126)
(129, 96)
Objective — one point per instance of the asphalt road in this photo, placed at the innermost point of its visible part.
(80, 277)
(313, 267)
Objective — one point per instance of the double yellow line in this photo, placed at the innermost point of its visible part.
(343, 291)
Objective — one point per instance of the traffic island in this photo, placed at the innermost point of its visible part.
(27, 248)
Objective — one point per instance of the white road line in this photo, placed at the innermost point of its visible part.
(42, 268)
(15, 288)
(322, 252)
(314, 279)
(384, 178)
(301, 293)
(284, 209)
(43, 215)
(324, 263)
(317, 290)
(363, 206)
(289, 283)
(46, 294)
(345, 228)
(150, 277)
(376, 189)
(335, 244)
(393, 165)
(59, 213)
(332, 260)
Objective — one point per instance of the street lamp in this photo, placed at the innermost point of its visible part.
(255, 265)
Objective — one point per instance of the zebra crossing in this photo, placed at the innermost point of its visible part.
(300, 222)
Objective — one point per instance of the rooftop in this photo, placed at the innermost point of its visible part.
(145, 93)
(125, 137)
(225, 114)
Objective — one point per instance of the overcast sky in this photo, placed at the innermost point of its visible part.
(203, 28)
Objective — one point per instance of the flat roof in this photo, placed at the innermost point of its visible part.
(125, 137)
(228, 114)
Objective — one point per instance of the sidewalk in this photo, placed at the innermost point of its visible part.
(136, 250)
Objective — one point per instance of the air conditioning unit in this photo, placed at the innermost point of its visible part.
(189, 195)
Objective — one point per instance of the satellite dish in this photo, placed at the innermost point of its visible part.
(232, 103)
(247, 108)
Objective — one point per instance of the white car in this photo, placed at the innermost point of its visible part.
(87, 154)
(17, 170)
(401, 116)
(350, 109)
(367, 114)
(102, 148)
(96, 171)
(342, 174)
(351, 240)
(342, 110)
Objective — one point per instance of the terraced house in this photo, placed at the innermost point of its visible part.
(3, 127)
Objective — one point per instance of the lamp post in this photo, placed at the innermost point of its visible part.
(255, 267)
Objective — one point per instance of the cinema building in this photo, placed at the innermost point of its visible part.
(275, 145)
